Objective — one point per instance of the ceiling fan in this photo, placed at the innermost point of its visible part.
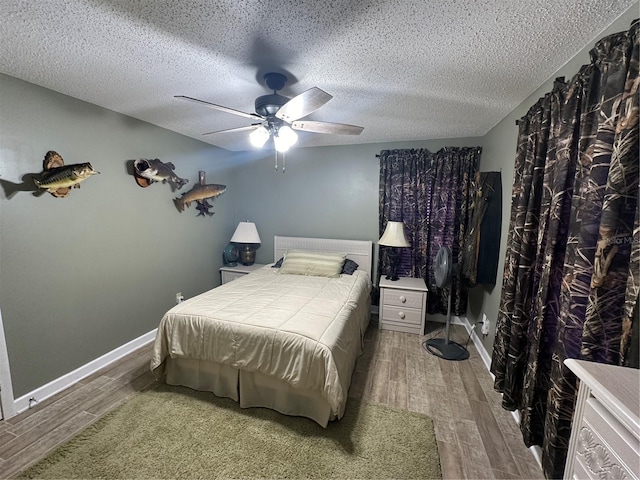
(278, 116)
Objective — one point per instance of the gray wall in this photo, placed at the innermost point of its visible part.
(82, 275)
(499, 151)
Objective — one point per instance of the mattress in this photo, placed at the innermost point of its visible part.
(306, 331)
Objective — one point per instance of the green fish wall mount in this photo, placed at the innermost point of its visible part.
(58, 179)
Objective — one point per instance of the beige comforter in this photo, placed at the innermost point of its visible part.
(304, 330)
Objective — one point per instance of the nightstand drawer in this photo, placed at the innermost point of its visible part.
(403, 315)
(228, 273)
(403, 298)
(229, 276)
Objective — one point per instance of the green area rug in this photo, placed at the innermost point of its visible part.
(174, 432)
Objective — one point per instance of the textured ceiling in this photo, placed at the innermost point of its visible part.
(404, 70)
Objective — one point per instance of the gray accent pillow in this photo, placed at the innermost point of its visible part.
(349, 267)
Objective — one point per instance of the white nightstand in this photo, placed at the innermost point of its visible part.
(403, 305)
(228, 274)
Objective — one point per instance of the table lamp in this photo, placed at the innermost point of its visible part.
(394, 237)
(246, 235)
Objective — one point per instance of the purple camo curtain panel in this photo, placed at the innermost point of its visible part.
(431, 194)
(572, 267)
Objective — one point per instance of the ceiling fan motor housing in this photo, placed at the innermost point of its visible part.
(268, 105)
(275, 81)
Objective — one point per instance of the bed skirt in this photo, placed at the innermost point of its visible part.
(249, 389)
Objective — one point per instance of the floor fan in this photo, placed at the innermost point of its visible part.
(444, 347)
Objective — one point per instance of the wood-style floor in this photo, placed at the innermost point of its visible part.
(477, 439)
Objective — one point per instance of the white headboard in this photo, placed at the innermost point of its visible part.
(360, 251)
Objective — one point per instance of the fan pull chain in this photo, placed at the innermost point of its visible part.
(284, 161)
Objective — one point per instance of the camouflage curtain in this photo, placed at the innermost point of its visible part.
(431, 194)
(572, 267)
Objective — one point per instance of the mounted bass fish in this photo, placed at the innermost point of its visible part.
(200, 193)
(148, 171)
(58, 178)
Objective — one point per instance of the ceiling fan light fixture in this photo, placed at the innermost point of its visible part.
(280, 144)
(284, 138)
(288, 135)
(259, 136)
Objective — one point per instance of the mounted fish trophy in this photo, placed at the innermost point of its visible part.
(199, 194)
(147, 172)
(58, 178)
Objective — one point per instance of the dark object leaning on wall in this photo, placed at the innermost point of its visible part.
(482, 243)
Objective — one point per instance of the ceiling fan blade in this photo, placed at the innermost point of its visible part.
(303, 104)
(327, 127)
(220, 107)
(238, 129)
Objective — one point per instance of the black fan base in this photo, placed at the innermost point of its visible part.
(446, 350)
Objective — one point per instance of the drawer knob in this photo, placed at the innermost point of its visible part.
(403, 299)
(401, 314)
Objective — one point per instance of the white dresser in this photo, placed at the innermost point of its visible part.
(605, 435)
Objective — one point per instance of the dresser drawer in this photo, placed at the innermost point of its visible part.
(605, 447)
(582, 472)
(403, 315)
(403, 298)
(605, 431)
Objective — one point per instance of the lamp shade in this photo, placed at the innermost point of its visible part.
(393, 235)
(284, 138)
(259, 136)
(246, 232)
(288, 135)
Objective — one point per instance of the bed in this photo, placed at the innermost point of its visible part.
(283, 338)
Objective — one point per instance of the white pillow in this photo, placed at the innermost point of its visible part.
(319, 264)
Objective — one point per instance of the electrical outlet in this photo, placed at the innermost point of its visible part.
(485, 326)
(179, 298)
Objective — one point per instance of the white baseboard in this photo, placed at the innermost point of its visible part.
(39, 394)
(484, 355)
